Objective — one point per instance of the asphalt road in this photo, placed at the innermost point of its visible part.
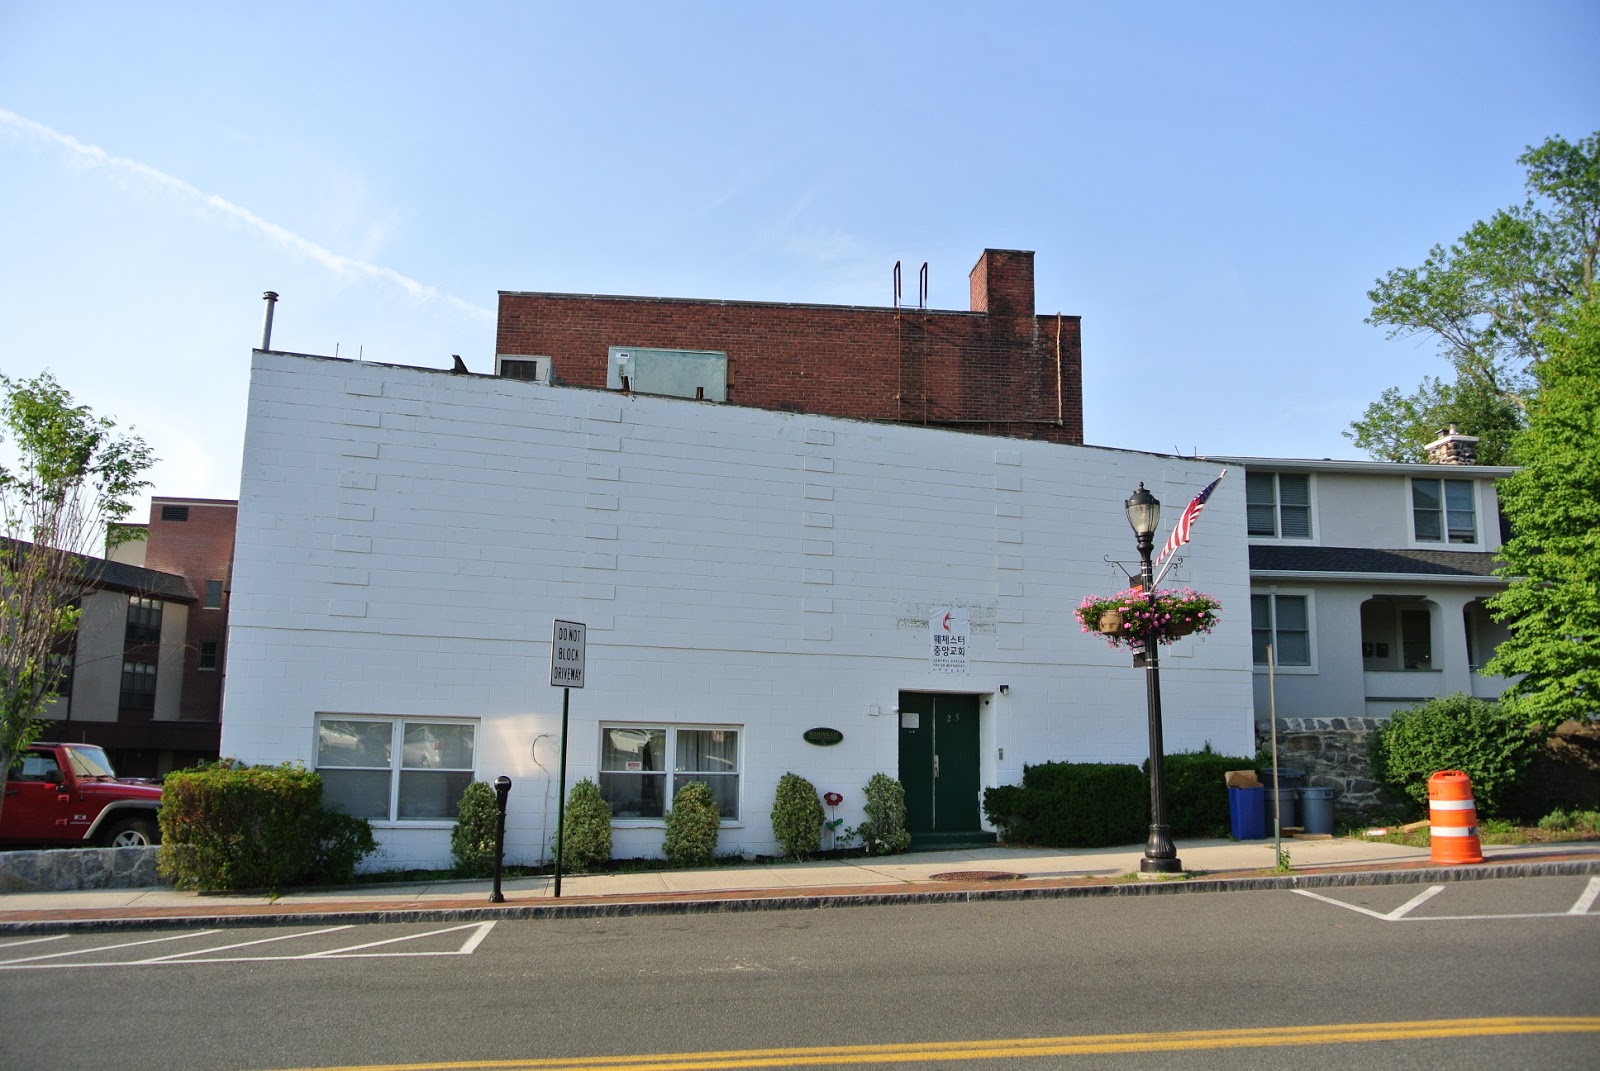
(977, 984)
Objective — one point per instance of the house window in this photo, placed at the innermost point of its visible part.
(144, 621)
(213, 599)
(1284, 623)
(208, 655)
(394, 769)
(641, 766)
(1442, 511)
(1278, 504)
(138, 686)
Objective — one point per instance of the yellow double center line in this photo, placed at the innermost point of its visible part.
(1024, 1048)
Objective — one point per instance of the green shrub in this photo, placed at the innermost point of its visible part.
(1073, 805)
(232, 826)
(693, 825)
(1197, 797)
(884, 831)
(586, 829)
(472, 839)
(797, 816)
(1456, 732)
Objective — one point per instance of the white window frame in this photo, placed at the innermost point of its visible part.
(1444, 542)
(668, 776)
(1311, 629)
(1277, 508)
(397, 726)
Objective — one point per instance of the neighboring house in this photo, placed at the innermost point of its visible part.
(998, 368)
(407, 537)
(145, 681)
(1368, 582)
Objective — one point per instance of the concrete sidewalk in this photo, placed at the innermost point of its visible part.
(993, 872)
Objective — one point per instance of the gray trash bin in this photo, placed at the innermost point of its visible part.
(1316, 809)
(1281, 802)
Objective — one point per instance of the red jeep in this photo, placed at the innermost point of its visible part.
(68, 795)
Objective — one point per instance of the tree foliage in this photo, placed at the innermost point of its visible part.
(1552, 605)
(66, 478)
(1485, 300)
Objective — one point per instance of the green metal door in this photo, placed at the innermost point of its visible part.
(939, 762)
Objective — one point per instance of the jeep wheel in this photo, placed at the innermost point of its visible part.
(131, 833)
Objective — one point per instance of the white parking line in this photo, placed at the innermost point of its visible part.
(482, 927)
(1577, 910)
(12, 963)
(1416, 901)
(241, 944)
(32, 941)
(480, 930)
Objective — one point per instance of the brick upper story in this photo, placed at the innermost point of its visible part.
(999, 368)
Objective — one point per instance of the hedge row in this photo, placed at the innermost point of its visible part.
(231, 826)
(1098, 805)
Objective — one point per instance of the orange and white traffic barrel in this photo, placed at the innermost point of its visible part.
(1453, 818)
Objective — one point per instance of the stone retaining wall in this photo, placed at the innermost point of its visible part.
(1333, 753)
(55, 869)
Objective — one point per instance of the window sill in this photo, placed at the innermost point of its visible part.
(412, 823)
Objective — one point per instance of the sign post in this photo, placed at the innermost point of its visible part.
(568, 644)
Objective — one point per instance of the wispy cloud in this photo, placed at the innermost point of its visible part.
(346, 267)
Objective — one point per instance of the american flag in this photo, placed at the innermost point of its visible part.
(1180, 531)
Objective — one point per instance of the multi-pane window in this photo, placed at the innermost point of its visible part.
(144, 620)
(1278, 504)
(1284, 623)
(208, 655)
(394, 769)
(1442, 511)
(213, 599)
(138, 685)
(642, 766)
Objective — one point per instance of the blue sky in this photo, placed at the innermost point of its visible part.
(1213, 188)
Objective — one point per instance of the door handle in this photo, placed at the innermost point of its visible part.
(936, 767)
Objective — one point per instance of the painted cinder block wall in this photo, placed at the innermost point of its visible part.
(998, 368)
(406, 537)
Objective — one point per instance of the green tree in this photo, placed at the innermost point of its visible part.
(1552, 605)
(1485, 300)
(66, 478)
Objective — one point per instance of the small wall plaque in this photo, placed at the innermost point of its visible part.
(823, 737)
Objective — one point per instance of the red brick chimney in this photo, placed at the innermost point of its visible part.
(1002, 283)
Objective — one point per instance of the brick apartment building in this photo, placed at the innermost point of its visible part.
(999, 368)
(145, 680)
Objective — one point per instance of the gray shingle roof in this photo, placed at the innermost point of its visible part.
(1293, 559)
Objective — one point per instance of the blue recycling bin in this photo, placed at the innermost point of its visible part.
(1247, 812)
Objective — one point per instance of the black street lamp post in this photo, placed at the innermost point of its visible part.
(1160, 856)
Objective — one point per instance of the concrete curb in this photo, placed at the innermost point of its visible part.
(802, 902)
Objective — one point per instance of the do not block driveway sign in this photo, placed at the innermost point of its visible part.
(567, 647)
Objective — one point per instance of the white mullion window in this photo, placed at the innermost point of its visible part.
(1278, 505)
(1443, 511)
(643, 766)
(1284, 622)
(395, 769)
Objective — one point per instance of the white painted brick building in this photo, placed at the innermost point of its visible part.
(406, 538)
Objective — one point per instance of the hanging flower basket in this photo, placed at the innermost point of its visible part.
(1133, 618)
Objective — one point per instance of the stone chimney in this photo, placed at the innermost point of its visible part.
(1453, 448)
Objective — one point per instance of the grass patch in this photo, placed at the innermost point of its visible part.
(1557, 827)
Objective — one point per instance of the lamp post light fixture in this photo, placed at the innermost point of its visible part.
(1160, 856)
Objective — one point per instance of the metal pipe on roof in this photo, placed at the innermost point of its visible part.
(271, 298)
